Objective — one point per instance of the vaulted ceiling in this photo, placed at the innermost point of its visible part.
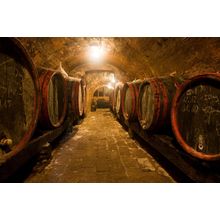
(133, 57)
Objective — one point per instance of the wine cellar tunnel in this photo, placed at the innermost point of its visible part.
(118, 109)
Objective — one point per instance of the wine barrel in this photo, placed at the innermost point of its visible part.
(84, 98)
(117, 99)
(54, 98)
(196, 116)
(77, 96)
(154, 102)
(129, 100)
(19, 96)
(111, 100)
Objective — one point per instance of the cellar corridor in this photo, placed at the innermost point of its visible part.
(54, 99)
(100, 151)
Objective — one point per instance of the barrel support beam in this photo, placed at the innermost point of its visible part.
(33, 148)
(192, 168)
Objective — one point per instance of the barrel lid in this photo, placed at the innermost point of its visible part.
(195, 116)
(146, 105)
(26, 75)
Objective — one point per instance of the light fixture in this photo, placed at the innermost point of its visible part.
(112, 79)
(96, 52)
(109, 86)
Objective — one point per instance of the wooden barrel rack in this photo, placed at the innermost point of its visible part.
(34, 108)
(9, 167)
(188, 167)
(195, 96)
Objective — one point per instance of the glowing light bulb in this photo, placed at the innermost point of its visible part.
(113, 80)
(109, 85)
(96, 52)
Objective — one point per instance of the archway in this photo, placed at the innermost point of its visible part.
(101, 97)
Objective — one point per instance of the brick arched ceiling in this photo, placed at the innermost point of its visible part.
(135, 57)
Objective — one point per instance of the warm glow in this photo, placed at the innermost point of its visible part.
(109, 85)
(96, 52)
(113, 79)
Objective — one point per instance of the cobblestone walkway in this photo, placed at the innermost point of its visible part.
(101, 151)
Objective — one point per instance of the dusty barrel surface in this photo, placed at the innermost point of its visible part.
(129, 100)
(19, 96)
(54, 98)
(117, 99)
(77, 96)
(196, 116)
(154, 102)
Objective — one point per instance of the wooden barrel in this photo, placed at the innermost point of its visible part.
(196, 116)
(54, 98)
(129, 100)
(154, 102)
(77, 96)
(111, 100)
(117, 99)
(19, 96)
(84, 97)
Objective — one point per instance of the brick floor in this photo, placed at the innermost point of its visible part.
(100, 151)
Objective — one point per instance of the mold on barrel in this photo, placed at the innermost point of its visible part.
(54, 98)
(196, 116)
(19, 96)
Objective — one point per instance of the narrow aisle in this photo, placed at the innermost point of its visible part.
(101, 151)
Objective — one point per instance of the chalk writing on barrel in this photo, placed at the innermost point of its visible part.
(209, 110)
(7, 97)
(195, 108)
